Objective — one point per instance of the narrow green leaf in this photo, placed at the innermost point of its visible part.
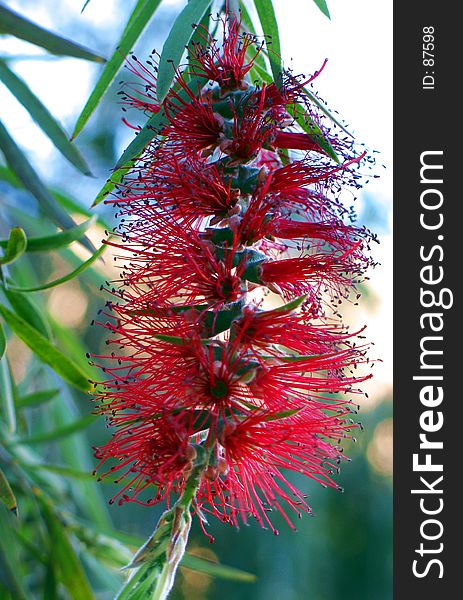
(60, 432)
(65, 201)
(104, 547)
(323, 7)
(292, 305)
(6, 494)
(199, 38)
(50, 583)
(10, 567)
(270, 28)
(7, 395)
(111, 183)
(47, 353)
(150, 130)
(18, 162)
(25, 308)
(306, 123)
(64, 472)
(283, 414)
(259, 60)
(175, 340)
(70, 570)
(143, 12)
(323, 108)
(174, 46)
(14, 247)
(42, 117)
(203, 565)
(14, 24)
(57, 240)
(36, 398)
(2, 342)
(295, 359)
(65, 278)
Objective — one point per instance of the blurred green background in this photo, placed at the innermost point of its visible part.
(344, 551)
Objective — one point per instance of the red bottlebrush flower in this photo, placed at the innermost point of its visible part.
(328, 235)
(204, 383)
(302, 173)
(227, 63)
(187, 186)
(301, 333)
(193, 124)
(295, 141)
(174, 266)
(151, 453)
(249, 478)
(310, 275)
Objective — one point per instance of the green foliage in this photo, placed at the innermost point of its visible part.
(270, 27)
(45, 351)
(65, 278)
(322, 5)
(21, 166)
(42, 117)
(14, 246)
(139, 19)
(174, 47)
(14, 24)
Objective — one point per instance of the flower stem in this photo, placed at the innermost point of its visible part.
(157, 561)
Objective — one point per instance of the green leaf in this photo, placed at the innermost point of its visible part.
(111, 183)
(198, 38)
(15, 246)
(140, 17)
(65, 278)
(65, 201)
(306, 123)
(174, 46)
(105, 548)
(42, 117)
(27, 310)
(6, 494)
(2, 342)
(323, 108)
(150, 130)
(66, 472)
(7, 395)
(283, 414)
(294, 359)
(11, 574)
(36, 398)
(47, 353)
(70, 570)
(293, 305)
(176, 341)
(57, 240)
(19, 163)
(60, 432)
(14, 24)
(203, 565)
(323, 7)
(270, 28)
